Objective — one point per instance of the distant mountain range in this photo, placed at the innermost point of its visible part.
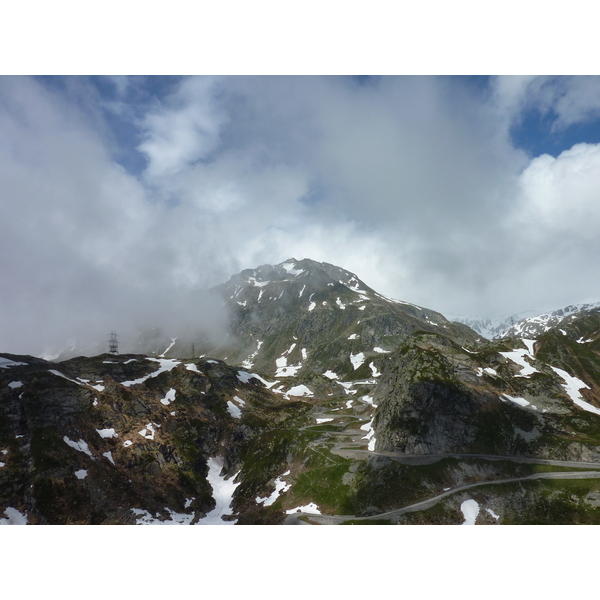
(524, 324)
(325, 402)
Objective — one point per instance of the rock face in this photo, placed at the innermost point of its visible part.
(92, 440)
(437, 397)
(325, 402)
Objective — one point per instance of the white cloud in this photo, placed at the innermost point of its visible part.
(412, 183)
(184, 131)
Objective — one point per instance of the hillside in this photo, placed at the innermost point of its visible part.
(326, 403)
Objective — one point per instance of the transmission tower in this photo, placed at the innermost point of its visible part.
(113, 345)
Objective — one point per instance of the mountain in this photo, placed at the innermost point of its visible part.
(492, 327)
(325, 403)
(561, 318)
(524, 324)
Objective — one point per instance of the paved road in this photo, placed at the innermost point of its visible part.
(345, 450)
(293, 519)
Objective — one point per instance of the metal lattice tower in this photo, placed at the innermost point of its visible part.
(113, 345)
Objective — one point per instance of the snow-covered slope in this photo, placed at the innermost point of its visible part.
(492, 327)
(533, 326)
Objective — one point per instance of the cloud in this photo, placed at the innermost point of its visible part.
(84, 249)
(414, 183)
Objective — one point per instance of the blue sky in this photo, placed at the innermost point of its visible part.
(468, 195)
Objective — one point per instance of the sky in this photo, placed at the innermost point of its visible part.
(124, 197)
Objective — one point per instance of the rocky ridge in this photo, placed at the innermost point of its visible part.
(326, 403)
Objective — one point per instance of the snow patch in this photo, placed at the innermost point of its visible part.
(81, 474)
(330, 375)
(299, 390)
(470, 510)
(193, 367)
(492, 513)
(245, 377)
(354, 336)
(109, 456)
(374, 370)
(290, 268)
(572, 386)
(340, 304)
(280, 488)
(308, 508)
(368, 427)
(381, 350)
(5, 363)
(234, 410)
(324, 420)
(107, 433)
(520, 401)
(81, 445)
(518, 356)
(166, 364)
(149, 431)
(170, 397)
(487, 370)
(357, 360)
(15, 385)
(13, 517)
(172, 344)
(222, 493)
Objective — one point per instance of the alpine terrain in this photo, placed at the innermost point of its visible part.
(326, 403)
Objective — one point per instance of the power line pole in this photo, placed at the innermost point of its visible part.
(113, 345)
(193, 350)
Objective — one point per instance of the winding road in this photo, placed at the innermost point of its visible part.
(357, 439)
